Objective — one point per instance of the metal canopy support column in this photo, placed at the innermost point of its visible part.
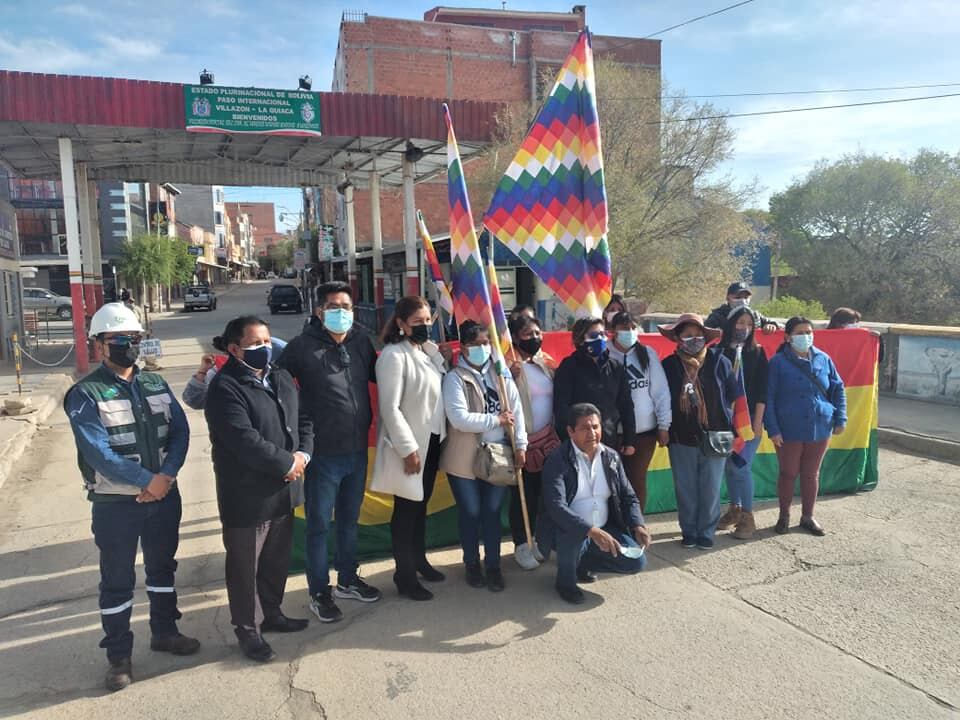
(410, 231)
(68, 178)
(86, 240)
(378, 298)
(97, 247)
(351, 242)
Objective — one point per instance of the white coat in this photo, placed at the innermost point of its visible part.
(408, 398)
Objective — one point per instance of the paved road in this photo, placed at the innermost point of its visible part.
(864, 623)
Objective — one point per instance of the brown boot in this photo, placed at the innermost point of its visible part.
(730, 518)
(746, 526)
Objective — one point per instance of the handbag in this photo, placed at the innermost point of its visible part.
(716, 443)
(539, 445)
(494, 463)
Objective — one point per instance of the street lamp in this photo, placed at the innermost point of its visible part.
(305, 82)
(206, 77)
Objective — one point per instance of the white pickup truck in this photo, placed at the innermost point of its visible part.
(199, 296)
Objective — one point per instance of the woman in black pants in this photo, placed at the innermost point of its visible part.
(410, 428)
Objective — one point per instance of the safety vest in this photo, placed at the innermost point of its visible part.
(136, 432)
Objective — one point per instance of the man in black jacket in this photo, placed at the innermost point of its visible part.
(333, 361)
(738, 296)
(262, 440)
(588, 510)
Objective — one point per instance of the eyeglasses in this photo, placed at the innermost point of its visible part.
(344, 356)
(123, 340)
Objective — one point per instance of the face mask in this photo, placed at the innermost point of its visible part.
(692, 345)
(597, 346)
(419, 334)
(740, 336)
(739, 303)
(852, 325)
(531, 346)
(478, 355)
(627, 338)
(125, 354)
(257, 357)
(801, 343)
(338, 321)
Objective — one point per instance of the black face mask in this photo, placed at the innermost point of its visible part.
(124, 355)
(419, 334)
(531, 346)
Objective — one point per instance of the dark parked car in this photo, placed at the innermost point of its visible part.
(284, 297)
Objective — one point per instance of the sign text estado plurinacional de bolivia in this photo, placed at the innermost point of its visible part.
(213, 108)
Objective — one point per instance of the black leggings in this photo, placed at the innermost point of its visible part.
(531, 491)
(408, 525)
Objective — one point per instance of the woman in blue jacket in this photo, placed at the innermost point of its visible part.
(806, 404)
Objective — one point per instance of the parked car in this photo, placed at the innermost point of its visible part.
(199, 296)
(271, 275)
(47, 303)
(284, 297)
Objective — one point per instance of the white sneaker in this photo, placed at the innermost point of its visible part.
(536, 552)
(525, 558)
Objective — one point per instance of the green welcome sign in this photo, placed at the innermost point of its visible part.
(213, 108)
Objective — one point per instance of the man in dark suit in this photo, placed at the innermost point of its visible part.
(589, 512)
(262, 442)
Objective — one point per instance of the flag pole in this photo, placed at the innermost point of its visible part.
(518, 472)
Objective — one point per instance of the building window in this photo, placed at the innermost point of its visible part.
(118, 206)
(116, 193)
(120, 233)
(8, 294)
(39, 229)
(119, 220)
(218, 218)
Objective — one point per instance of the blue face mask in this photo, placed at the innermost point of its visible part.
(477, 355)
(627, 338)
(338, 321)
(257, 357)
(801, 343)
(597, 346)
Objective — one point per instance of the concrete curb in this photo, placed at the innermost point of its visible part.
(17, 432)
(923, 445)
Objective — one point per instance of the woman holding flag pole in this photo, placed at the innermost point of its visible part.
(477, 398)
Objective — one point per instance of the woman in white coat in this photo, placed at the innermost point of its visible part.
(411, 427)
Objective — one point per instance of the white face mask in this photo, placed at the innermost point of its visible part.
(740, 302)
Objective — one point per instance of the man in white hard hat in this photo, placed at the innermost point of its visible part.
(132, 438)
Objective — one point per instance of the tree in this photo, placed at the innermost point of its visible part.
(280, 254)
(877, 234)
(183, 265)
(677, 237)
(146, 260)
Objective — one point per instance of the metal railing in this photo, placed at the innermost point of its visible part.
(354, 16)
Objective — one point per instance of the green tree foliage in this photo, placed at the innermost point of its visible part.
(183, 265)
(876, 234)
(280, 254)
(151, 260)
(786, 306)
(674, 219)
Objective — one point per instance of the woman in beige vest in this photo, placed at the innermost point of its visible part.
(409, 432)
(477, 414)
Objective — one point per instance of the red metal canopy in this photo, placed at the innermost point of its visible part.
(135, 130)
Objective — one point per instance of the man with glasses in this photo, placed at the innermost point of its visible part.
(333, 362)
(132, 438)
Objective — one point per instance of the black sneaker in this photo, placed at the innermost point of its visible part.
(357, 589)
(495, 580)
(475, 576)
(586, 576)
(572, 595)
(323, 606)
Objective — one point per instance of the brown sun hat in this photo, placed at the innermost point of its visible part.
(670, 331)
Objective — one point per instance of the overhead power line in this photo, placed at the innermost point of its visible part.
(802, 109)
(808, 92)
(699, 17)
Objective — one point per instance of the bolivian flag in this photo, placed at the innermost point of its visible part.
(849, 466)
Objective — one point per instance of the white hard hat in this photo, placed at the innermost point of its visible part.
(114, 317)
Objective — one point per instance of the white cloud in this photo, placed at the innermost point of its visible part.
(137, 49)
(42, 55)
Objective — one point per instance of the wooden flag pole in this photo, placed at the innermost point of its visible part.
(505, 399)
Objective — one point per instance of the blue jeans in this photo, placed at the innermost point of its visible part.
(574, 552)
(334, 483)
(478, 514)
(696, 479)
(117, 528)
(740, 479)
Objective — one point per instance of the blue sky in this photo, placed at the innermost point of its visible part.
(764, 46)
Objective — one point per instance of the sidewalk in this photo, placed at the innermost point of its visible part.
(922, 428)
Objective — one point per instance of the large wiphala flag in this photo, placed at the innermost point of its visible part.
(550, 207)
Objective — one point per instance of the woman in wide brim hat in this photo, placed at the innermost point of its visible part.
(703, 388)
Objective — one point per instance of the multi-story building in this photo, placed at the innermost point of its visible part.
(203, 206)
(262, 216)
(456, 53)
